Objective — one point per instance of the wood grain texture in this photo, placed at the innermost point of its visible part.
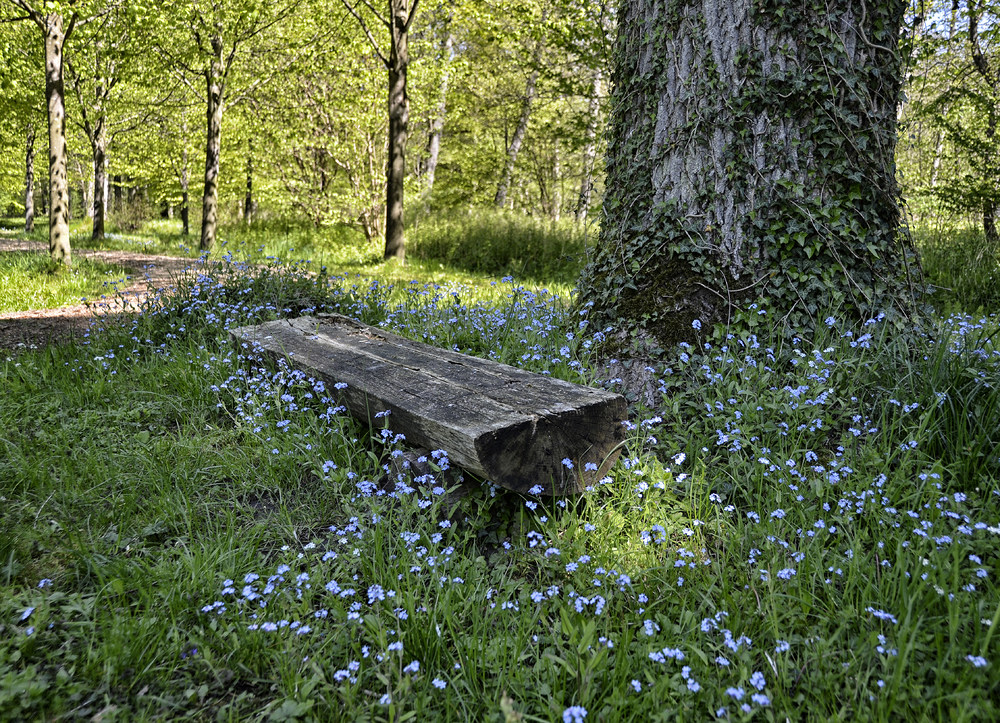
(504, 424)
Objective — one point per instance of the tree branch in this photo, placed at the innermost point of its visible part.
(978, 59)
(376, 13)
(368, 34)
(413, 14)
(75, 82)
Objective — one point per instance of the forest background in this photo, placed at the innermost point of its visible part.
(506, 105)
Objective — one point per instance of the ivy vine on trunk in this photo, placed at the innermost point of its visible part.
(751, 155)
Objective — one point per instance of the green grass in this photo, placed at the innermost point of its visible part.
(28, 280)
(963, 269)
(808, 528)
(473, 250)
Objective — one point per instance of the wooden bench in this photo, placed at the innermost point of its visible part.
(504, 424)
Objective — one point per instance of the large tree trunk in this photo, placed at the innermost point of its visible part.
(740, 167)
(29, 180)
(515, 143)
(589, 150)
(55, 39)
(399, 116)
(214, 83)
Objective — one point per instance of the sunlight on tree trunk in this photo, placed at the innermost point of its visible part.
(437, 124)
(100, 148)
(213, 146)
(29, 180)
(515, 143)
(55, 39)
(399, 117)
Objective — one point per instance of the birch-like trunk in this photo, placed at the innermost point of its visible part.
(214, 84)
(437, 123)
(55, 39)
(515, 143)
(590, 150)
(86, 189)
(248, 204)
(99, 147)
(29, 180)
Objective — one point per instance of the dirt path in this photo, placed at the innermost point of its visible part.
(40, 327)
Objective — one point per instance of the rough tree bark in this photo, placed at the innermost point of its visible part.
(29, 180)
(740, 167)
(399, 116)
(214, 86)
(55, 40)
(56, 32)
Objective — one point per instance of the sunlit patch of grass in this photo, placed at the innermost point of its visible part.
(30, 280)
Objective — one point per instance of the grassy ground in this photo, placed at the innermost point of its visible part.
(798, 529)
(29, 281)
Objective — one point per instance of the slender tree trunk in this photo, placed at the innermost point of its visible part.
(248, 200)
(589, 150)
(727, 182)
(437, 123)
(86, 190)
(399, 116)
(29, 180)
(185, 196)
(100, 151)
(515, 143)
(990, 203)
(990, 222)
(992, 76)
(55, 39)
(557, 196)
(213, 145)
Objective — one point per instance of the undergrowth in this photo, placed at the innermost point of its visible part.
(796, 529)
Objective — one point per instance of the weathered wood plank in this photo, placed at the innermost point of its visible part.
(505, 424)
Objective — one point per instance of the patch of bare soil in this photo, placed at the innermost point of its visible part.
(37, 328)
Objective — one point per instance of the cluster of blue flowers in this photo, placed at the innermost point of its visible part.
(806, 514)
